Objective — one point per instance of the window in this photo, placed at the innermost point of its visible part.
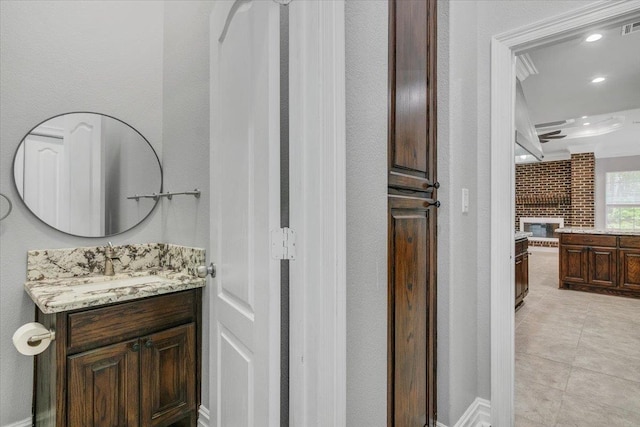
(623, 200)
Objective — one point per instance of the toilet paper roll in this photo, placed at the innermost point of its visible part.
(26, 331)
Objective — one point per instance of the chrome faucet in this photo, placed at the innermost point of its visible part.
(108, 260)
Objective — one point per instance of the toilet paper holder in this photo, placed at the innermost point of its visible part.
(46, 335)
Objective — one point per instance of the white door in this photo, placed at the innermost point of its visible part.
(44, 178)
(84, 155)
(245, 206)
(62, 173)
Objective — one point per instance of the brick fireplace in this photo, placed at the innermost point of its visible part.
(558, 189)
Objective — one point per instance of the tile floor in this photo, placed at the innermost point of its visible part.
(577, 354)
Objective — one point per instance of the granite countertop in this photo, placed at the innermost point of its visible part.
(61, 280)
(523, 234)
(580, 230)
(58, 295)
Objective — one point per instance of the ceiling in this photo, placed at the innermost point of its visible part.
(562, 90)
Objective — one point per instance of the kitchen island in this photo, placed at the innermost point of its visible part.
(600, 260)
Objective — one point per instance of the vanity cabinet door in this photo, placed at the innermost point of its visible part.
(102, 388)
(168, 389)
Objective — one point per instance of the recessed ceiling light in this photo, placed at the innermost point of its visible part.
(584, 117)
(598, 80)
(586, 124)
(594, 37)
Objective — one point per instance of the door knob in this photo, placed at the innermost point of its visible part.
(148, 344)
(135, 347)
(203, 270)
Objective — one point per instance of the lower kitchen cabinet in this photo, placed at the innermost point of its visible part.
(573, 263)
(129, 364)
(522, 270)
(630, 263)
(602, 265)
(588, 261)
(607, 264)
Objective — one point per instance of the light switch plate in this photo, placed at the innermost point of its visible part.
(465, 200)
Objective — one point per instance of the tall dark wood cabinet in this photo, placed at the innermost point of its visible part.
(412, 188)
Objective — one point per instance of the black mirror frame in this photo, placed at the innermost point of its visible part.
(15, 185)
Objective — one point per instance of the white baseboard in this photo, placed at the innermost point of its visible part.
(24, 423)
(478, 414)
(203, 417)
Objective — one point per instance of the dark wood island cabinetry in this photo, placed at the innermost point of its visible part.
(600, 261)
(522, 269)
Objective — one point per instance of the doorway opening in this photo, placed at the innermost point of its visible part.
(504, 49)
(571, 345)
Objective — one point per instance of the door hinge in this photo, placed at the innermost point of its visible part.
(283, 243)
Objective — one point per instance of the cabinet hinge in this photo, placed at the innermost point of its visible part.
(283, 243)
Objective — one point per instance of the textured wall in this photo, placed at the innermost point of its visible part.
(458, 153)
(366, 122)
(58, 57)
(444, 228)
(185, 219)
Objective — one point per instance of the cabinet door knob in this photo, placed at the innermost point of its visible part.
(135, 347)
(148, 344)
(435, 185)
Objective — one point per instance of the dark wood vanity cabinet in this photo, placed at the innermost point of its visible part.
(130, 364)
(522, 270)
(600, 263)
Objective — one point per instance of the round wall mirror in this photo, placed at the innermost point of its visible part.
(79, 173)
